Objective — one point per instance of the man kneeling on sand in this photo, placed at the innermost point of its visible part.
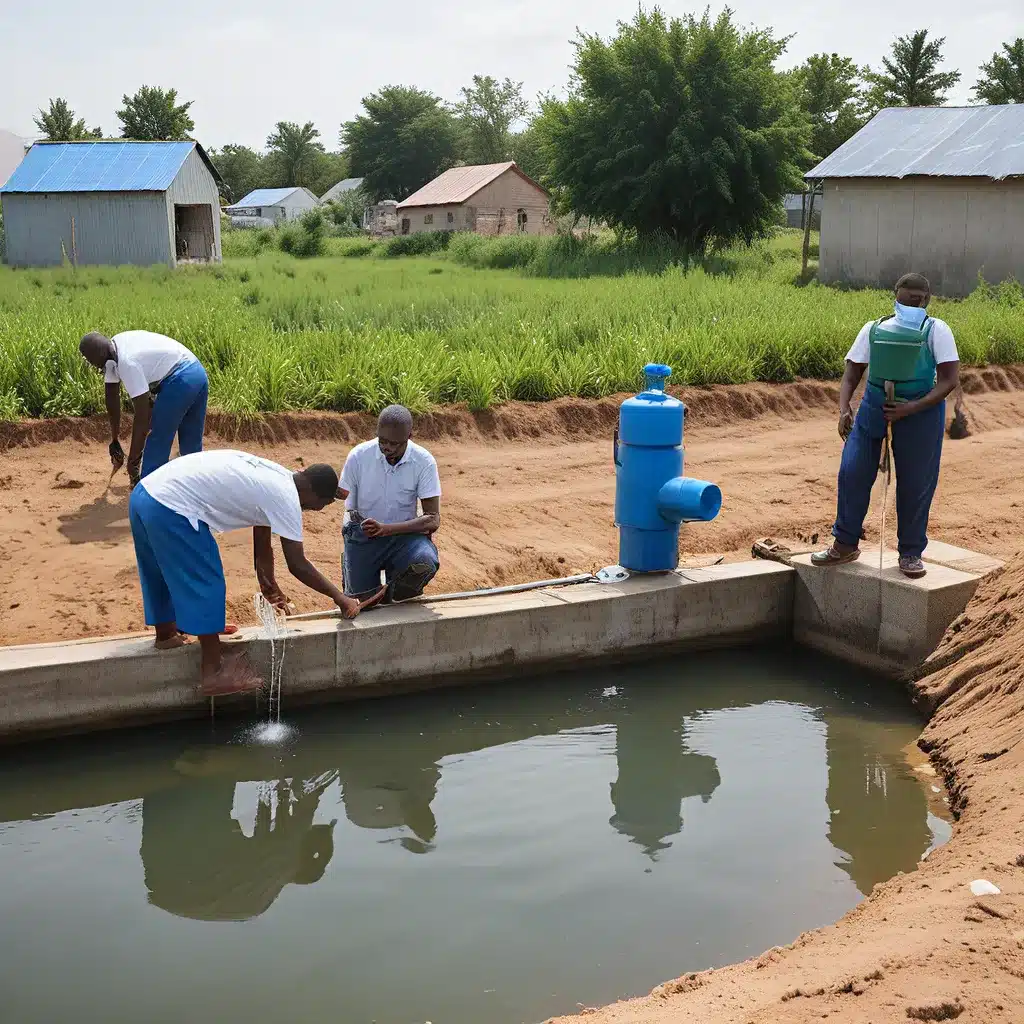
(383, 480)
(172, 511)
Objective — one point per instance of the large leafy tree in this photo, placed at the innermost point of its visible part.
(527, 149)
(488, 109)
(154, 114)
(59, 124)
(679, 126)
(294, 152)
(242, 168)
(911, 75)
(328, 169)
(829, 91)
(403, 138)
(1002, 78)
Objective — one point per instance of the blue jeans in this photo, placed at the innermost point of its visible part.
(364, 557)
(179, 568)
(916, 452)
(179, 408)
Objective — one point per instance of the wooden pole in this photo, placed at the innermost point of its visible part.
(807, 233)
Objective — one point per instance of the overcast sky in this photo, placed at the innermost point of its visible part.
(252, 63)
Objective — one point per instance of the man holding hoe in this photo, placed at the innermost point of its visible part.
(172, 513)
(146, 362)
(912, 365)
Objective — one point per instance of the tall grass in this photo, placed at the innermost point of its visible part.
(276, 333)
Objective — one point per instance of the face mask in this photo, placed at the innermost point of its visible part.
(911, 316)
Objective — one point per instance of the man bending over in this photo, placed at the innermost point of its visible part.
(172, 513)
(382, 482)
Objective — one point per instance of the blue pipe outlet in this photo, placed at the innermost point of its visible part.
(652, 497)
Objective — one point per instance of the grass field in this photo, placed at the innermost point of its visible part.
(357, 330)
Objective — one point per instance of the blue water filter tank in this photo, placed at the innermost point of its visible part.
(652, 497)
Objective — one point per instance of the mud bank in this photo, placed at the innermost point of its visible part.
(922, 946)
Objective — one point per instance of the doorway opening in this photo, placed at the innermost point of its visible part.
(194, 237)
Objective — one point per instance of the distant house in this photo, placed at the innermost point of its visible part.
(795, 205)
(272, 205)
(937, 190)
(491, 199)
(12, 152)
(335, 191)
(112, 203)
(381, 218)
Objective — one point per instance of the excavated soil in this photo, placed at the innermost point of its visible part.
(922, 947)
(528, 494)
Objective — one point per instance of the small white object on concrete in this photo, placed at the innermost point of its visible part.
(983, 887)
(612, 574)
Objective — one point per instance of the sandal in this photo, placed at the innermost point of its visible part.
(832, 556)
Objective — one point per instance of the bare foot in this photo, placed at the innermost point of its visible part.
(235, 675)
(171, 642)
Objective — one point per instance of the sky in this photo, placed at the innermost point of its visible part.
(247, 65)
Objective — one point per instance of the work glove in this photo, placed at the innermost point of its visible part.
(116, 454)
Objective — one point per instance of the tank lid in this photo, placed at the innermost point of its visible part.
(655, 375)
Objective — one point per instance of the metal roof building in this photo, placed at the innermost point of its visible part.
(343, 186)
(492, 199)
(112, 203)
(271, 205)
(937, 190)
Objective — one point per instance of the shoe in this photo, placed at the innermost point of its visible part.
(912, 567)
(832, 556)
(411, 582)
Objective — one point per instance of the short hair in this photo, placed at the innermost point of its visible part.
(917, 282)
(323, 480)
(396, 416)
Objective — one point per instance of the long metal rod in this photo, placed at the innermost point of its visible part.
(461, 595)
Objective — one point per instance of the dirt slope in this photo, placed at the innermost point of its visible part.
(528, 493)
(922, 947)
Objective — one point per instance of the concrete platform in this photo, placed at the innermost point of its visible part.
(116, 682)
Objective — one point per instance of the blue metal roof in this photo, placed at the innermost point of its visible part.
(101, 166)
(263, 197)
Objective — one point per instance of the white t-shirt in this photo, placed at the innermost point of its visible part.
(378, 490)
(940, 341)
(144, 358)
(229, 490)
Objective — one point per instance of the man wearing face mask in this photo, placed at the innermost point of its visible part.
(917, 416)
(383, 481)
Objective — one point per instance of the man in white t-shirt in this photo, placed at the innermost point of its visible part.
(148, 363)
(383, 481)
(916, 416)
(172, 513)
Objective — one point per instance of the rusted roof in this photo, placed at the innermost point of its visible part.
(461, 183)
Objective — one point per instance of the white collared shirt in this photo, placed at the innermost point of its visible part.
(389, 494)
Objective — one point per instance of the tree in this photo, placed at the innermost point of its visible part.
(682, 127)
(242, 169)
(528, 152)
(59, 124)
(488, 109)
(829, 91)
(911, 77)
(154, 115)
(404, 138)
(294, 149)
(1002, 78)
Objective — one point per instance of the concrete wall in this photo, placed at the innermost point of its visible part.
(950, 230)
(110, 228)
(194, 185)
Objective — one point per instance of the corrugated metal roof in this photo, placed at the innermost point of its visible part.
(263, 197)
(955, 142)
(101, 166)
(458, 184)
(346, 185)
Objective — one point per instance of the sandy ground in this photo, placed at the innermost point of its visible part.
(528, 493)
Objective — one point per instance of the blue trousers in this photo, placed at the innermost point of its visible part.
(179, 408)
(179, 568)
(916, 452)
(364, 557)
